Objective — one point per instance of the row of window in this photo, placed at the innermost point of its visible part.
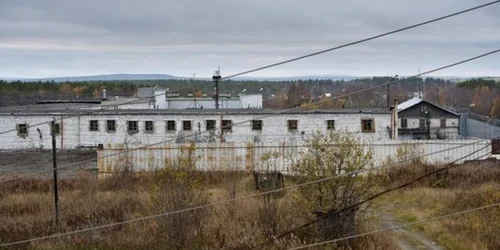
(421, 123)
(149, 126)
(22, 129)
(367, 125)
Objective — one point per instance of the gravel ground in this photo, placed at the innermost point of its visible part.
(19, 163)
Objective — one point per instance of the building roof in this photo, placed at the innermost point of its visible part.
(417, 100)
(410, 103)
(50, 106)
(125, 101)
(145, 92)
(188, 112)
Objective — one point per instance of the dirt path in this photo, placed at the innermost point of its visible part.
(408, 240)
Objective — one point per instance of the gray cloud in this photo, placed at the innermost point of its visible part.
(55, 37)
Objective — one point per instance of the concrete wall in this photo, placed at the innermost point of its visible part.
(251, 101)
(242, 102)
(478, 129)
(206, 103)
(246, 156)
(75, 130)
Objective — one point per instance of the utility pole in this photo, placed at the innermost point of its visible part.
(388, 91)
(395, 121)
(216, 77)
(56, 192)
(437, 96)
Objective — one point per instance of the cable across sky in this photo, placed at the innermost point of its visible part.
(265, 116)
(247, 197)
(315, 53)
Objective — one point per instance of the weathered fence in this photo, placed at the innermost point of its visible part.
(243, 156)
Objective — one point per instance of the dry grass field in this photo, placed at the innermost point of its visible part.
(26, 211)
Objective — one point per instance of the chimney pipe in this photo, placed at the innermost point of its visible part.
(395, 120)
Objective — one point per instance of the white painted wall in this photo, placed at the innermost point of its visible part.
(251, 101)
(244, 156)
(242, 102)
(75, 130)
(206, 103)
(161, 98)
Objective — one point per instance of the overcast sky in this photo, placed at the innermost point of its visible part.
(48, 38)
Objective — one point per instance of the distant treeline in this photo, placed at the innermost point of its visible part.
(277, 94)
(20, 93)
(478, 83)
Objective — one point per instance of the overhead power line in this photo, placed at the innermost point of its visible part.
(89, 112)
(216, 203)
(442, 217)
(313, 54)
(362, 40)
(355, 205)
(272, 113)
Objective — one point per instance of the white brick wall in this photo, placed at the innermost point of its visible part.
(75, 130)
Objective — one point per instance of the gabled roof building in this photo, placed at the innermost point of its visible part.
(420, 119)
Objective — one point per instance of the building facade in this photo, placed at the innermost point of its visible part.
(166, 100)
(419, 119)
(31, 129)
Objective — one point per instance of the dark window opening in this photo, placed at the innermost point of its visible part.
(421, 123)
(330, 124)
(367, 125)
(443, 123)
(210, 124)
(292, 125)
(171, 126)
(495, 146)
(111, 126)
(57, 129)
(94, 125)
(257, 125)
(227, 125)
(22, 130)
(149, 126)
(132, 127)
(186, 125)
(404, 123)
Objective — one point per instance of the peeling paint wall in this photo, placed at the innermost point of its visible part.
(247, 156)
(75, 129)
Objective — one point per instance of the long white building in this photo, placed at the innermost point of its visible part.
(93, 128)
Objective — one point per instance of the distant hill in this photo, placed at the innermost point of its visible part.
(125, 77)
(297, 78)
(111, 77)
(138, 77)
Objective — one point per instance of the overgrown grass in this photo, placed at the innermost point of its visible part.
(465, 187)
(26, 211)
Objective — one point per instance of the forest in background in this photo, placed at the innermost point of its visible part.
(479, 96)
